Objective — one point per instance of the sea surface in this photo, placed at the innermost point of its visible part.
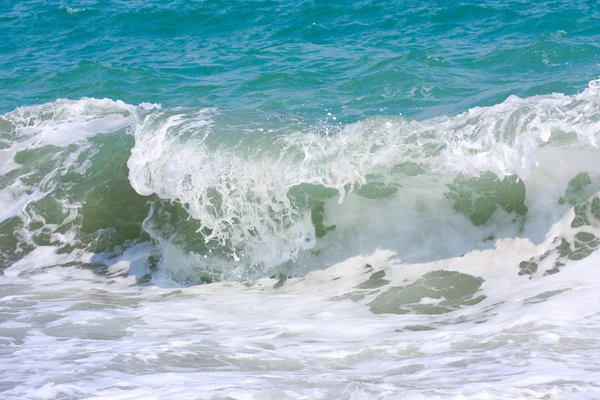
(299, 200)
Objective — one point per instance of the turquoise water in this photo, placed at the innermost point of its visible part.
(246, 139)
(354, 59)
(220, 110)
(299, 200)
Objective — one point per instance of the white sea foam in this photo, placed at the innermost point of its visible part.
(412, 302)
(72, 10)
(64, 122)
(70, 333)
(59, 124)
(240, 190)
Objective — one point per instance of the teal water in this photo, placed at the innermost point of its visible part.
(354, 59)
(229, 135)
(246, 200)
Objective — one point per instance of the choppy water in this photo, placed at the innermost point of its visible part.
(265, 200)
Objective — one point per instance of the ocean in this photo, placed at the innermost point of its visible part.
(299, 200)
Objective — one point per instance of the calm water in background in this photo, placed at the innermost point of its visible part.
(420, 59)
(304, 200)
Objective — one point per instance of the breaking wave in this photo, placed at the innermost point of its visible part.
(230, 194)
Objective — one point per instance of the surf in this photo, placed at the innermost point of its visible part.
(225, 198)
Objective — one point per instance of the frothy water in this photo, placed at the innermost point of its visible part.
(388, 258)
(369, 327)
(228, 202)
(307, 200)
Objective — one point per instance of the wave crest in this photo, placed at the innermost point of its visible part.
(239, 195)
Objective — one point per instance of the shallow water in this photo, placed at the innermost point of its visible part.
(264, 200)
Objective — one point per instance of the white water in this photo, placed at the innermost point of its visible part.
(67, 333)
(377, 322)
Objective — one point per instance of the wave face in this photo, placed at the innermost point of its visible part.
(229, 195)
